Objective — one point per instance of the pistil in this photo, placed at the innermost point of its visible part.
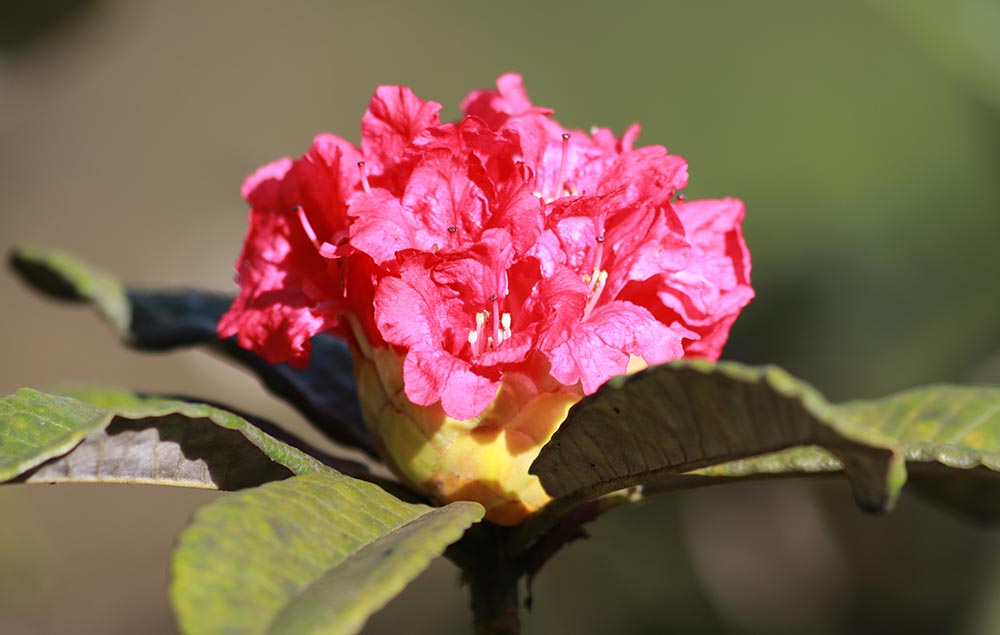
(496, 319)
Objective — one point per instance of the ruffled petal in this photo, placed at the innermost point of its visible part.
(600, 347)
(274, 315)
(262, 188)
(395, 117)
(510, 99)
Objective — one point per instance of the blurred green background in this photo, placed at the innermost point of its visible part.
(864, 136)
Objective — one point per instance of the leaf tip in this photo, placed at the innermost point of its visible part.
(40, 268)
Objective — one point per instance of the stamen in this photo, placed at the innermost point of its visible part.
(325, 249)
(307, 226)
(505, 323)
(598, 258)
(480, 324)
(601, 279)
(560, 188)
(364, 177)
(473, 338)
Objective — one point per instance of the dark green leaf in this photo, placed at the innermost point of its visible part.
(35, 426)
(688, 415)
(312, 554)
(325, 392)
(950, 437)
(111, 435)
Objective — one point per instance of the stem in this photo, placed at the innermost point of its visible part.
(492, 577)
(493, 590)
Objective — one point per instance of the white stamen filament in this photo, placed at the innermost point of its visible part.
(479, 342)
(307, 226)
(364, 177)
(476, 336)
(560, 187)
(325, 249)
(593, 279)
(598, 258)
(600, 278)
(481, 322)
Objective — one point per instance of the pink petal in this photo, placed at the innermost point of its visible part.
(430, 375)
(381, 227)
(395, 117)
(261, 188)
(273, 314)
(600, 347)
(479, 270)
(708, 294)
(496, 107)
(559, 307)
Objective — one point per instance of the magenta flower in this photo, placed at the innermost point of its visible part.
(481, 268)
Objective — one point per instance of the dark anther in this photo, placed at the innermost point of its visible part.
(361, 164)
(493, 297)
(565, 136)
(600, 238)
(452, 229)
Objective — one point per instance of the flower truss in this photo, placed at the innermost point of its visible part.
(487, 273)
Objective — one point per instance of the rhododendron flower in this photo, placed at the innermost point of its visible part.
(487, 274)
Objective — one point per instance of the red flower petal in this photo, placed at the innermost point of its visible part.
(708, 294)
(261, 189)
(497, 107)
(273, 314)
(600, 347)
(394, 118)
(567, 242)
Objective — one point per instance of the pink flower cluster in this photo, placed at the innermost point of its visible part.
(481, 247)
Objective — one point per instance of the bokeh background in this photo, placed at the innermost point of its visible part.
(863, 134)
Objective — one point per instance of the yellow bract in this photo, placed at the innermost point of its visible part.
(485, 459)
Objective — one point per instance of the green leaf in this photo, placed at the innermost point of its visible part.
(35, 426)
(312, 554)
(951, 438)
(792, 462)
(63, 277)
(949, 435)
(689, 415)
(150, 320)
(110, 435)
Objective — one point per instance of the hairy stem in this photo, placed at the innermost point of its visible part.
(494, 601)
(492, 577)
